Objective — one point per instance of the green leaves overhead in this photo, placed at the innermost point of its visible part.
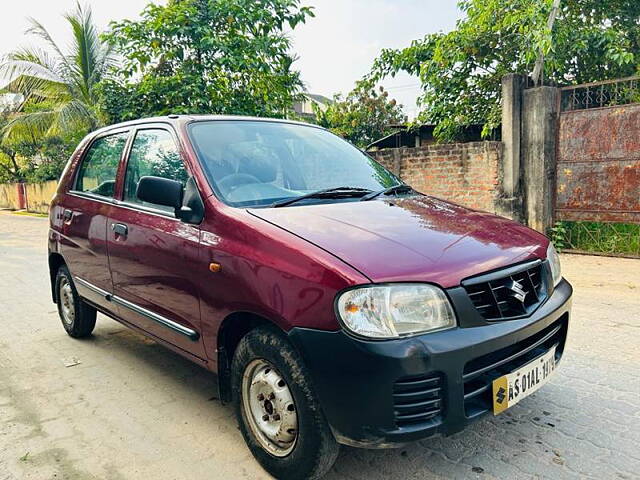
(362, 117)
(205, 56)
(58, 88)
(461, 71)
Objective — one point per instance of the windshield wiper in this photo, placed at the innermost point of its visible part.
(401, 188)
(336, 192)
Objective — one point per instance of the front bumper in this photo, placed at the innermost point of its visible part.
(385, 393)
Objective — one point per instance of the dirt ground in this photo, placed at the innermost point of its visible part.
(130, 409)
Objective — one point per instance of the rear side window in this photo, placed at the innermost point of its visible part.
(153, 153)
(98, 171)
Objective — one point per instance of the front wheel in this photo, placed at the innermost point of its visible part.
(278, 412)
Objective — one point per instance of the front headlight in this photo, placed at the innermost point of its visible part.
(396, 310)
(554, 264)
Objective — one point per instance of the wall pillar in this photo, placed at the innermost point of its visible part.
(22, 196)
(538, 154)
(397, 161)
(510, 201)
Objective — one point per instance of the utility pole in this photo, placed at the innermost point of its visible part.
(538, 70)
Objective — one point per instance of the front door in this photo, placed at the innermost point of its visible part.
(153, 254)
(87, 207)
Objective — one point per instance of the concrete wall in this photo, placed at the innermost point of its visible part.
(466, 173)
(9, 196)
(529, 133)
(512, 92)
(538, 155)
(38, 196)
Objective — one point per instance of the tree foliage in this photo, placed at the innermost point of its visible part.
(33, 158)
(205, 56)
(10, 169)
(58, 87)
(461, 71)
(362, 117)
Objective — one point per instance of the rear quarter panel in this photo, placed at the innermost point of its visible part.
(64, 185)
(82, 241)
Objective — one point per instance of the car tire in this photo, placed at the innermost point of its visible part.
(78, 318)
(266, 367)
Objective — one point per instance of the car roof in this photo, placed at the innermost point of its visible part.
(188, 118)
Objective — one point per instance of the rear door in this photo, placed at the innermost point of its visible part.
(152, 253)
(86, 209)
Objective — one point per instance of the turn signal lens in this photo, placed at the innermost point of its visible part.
(554, 264)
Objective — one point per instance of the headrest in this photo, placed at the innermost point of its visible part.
(264, 169)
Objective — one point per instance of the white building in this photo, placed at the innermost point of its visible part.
(304, 107)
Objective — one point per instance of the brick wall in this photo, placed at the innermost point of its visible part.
(465, 173)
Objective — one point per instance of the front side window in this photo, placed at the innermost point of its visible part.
(97, 174)
(253, 163)
(153, 153)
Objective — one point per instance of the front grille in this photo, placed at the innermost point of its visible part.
(418, 400)
(479, 373)
(510, 296)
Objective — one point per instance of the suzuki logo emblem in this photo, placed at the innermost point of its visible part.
(518, 292)
(500, 395)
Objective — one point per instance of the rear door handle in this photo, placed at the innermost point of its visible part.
(120, 229)
(67, 215)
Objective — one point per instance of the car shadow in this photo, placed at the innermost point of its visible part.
(150, 354)
(464, 455)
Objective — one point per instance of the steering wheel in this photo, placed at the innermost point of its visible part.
(234, 180)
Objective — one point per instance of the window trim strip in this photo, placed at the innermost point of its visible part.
(123, 204)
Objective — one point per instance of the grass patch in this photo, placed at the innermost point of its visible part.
(597, 237)
(31, 214)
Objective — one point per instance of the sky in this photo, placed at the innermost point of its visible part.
(335, 49)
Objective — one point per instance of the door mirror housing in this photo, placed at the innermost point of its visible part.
(185, 201)
(161, 191)
(192, 210)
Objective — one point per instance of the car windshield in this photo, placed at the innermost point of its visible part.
(259, 163)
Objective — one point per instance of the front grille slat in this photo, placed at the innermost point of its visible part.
(495, 299)
(534, 287)
(418, 384)
(409, 396)
(477, 391)
(418, 399)
(417, 417)
(418, 405)
(500, 297)
(499, 363)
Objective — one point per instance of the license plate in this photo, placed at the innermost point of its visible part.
(513, 387)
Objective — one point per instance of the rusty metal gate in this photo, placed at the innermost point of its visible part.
(598, 155)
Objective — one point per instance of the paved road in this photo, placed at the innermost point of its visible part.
(133, 410)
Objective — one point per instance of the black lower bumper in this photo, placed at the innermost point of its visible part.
(385, 393)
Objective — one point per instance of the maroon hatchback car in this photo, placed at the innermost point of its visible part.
(336, 304)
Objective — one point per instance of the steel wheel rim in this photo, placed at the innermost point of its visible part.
(269, 408)
(67, 305)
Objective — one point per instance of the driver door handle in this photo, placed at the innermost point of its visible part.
(120, 229)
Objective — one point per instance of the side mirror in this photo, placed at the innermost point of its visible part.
(185, 201)
(161, 191)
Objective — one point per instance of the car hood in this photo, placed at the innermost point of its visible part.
(420, 239)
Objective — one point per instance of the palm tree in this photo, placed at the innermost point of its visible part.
(58, 89)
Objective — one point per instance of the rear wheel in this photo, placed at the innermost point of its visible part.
(78, 318)
(278, 412)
